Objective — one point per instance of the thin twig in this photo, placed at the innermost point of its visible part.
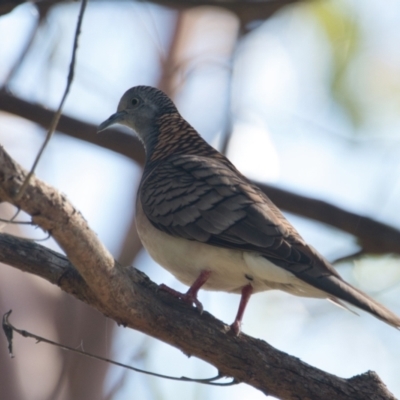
(47, 237)
(57, 115)
(10, 221)
(9, 329)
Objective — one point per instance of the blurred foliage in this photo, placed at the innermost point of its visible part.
(343, 34)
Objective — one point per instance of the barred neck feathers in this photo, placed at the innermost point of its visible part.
(176, 136)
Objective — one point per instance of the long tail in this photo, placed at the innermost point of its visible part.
(340, 290)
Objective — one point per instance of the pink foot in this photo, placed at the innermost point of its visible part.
(246, 293)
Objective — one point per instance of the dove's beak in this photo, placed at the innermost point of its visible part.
(117, 118)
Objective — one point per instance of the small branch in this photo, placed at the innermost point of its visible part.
(127, 296)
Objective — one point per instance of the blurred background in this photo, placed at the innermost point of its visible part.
(301, 95)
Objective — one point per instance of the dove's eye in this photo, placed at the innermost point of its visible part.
(135, 101)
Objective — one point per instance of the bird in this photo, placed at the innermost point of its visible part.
(208, 225)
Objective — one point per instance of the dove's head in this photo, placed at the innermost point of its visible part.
(140, 108)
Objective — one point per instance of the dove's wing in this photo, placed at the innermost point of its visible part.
(207, 200)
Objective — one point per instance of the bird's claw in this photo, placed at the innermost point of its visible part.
(235, 327)
(186, 297)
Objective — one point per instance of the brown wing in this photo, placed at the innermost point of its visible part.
(207, 200)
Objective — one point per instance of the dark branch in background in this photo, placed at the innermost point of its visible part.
(114, 140)
(246, 10)
(374, 237)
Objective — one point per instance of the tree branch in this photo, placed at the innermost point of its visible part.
(122, 143)
(130, 298)
(373, 236)
(246, 10)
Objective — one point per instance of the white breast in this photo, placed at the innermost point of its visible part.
(231, 269)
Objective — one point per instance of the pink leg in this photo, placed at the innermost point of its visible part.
(191, 295)
(246, 293)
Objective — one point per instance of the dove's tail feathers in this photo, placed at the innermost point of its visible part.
(341, 304)
(340, 290)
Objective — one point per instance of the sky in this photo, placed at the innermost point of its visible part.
(288, 130)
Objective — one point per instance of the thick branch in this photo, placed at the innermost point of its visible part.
(128, 297)
(31, 257)
(374, 237)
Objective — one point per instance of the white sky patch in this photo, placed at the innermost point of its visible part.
(253, 153)
(379, 273)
